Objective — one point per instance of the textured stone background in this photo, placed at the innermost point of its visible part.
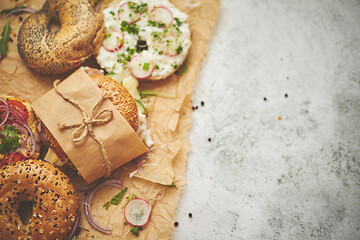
(281, 93)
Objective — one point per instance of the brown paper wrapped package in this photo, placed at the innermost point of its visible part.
(120, 141)
(169, 118)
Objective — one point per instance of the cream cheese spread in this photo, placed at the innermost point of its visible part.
(147, 39)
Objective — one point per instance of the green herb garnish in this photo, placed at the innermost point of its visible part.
(112, 13)
(5, 39)
(135, 230)
(10, 141)
(129, 27)
(140, 106)
(179, 50)
(148, 93)
(130, 50)
(178, 22)
(107, 35)
(116, 199)
(128, 199)
(156, 24)
(141, 8)
(132, 5)
(174, 65)
(123, 58)
(172, 185)
(146, 66)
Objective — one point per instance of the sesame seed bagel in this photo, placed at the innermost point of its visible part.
(53, 197)
(120, 98)
(50, 51)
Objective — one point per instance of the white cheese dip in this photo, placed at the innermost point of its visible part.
(155, 33)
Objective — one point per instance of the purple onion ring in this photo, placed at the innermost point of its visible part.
(87, 205)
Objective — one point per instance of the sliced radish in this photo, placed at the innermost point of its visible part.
(169, 44)
(137, 212)
(141, 67)
(161, 14)
(127, 14)
(114, 41)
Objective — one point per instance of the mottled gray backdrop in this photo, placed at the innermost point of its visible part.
(276, 144)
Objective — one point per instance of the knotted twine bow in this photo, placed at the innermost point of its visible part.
(86, 126)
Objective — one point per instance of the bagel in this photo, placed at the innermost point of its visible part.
(54, 52)
(120, 98)
(22, 120)
(49, 191)
(147, 39)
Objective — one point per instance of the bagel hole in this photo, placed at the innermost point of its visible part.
(54, 25)
(141, 46)
(25, 211)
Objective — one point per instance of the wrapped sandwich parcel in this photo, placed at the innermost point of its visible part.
(120, 141)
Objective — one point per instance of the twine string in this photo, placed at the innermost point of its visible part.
(89, 119)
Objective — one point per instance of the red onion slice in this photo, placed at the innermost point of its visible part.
(14, 115)
(139, 164)
(31, 141)
(87, 205)
(76, 226)
(88, 187)
(141, 159)
(22, 129)
(7, 110)
(20, 10)
(11, 156)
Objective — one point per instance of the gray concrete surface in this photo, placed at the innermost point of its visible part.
(281, 93)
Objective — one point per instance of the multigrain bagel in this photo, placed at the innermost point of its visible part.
(54, 52)
(120, 98)
(53, 197)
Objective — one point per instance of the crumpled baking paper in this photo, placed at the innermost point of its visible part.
(169, 119)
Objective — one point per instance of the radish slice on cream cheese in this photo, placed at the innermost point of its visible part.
(169, 44)
(126, 13)
(141, 67)
(137, 212)
(161, 15)
(113, 41)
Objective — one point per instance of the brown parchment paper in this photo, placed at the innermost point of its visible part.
(169, 120)
(120, 140)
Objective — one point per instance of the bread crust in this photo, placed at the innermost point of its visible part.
(80, 35)
(54, 200)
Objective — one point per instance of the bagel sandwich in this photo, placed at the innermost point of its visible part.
(120, 98)
(19, 139)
